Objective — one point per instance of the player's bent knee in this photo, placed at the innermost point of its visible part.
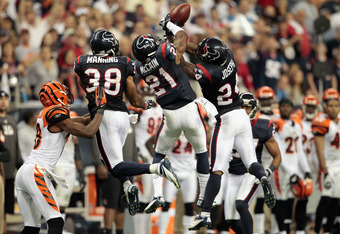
(55, 226)
(30, 230)
(241, 206)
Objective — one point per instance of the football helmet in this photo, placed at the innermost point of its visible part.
(55, 93)
(249, 100)
(144, 46)
(212, 50)
(104, 43)
(266, 97)
(309, 100)
(301, 188)
(330, 94)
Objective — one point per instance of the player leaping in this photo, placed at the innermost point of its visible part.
(216, 74)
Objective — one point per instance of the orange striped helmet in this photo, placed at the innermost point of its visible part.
(265, 92)
(310, 100)
(301, 188)
(330, 94)
(266, 97)
(55, 93)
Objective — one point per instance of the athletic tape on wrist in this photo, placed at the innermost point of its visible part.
(173, 28)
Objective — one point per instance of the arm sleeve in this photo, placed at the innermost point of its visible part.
(270, 131)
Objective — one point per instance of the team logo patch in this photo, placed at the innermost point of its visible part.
(144, 42)
(212, 55)
(57, 116)
(109, 37)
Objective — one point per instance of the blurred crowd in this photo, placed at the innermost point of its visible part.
(289, 45)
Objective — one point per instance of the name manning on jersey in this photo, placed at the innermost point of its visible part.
(149, 66)
(96, 59)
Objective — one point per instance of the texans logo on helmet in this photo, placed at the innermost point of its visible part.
(144, 42)
(109, 37)
(212, 56)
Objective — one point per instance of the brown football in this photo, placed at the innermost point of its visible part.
(180, 14)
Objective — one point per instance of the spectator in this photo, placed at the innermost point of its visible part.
(43, 70)
(296, 90)
(108, 25)
(311, 13)
(328, 81)
(243, 72)
(11, 134)
(106, 6)
(336, 69)
(333, 45)
(27, 133)
(24, 52)
(69, 40)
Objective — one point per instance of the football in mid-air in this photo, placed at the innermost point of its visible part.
(180, 14)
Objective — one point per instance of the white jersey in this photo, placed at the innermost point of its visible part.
(182, 157)
(49, 146)
(293, 156)
(67, 157)
(308, 145)
(146, 127)
(324, 126)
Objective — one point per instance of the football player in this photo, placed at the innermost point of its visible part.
(35, 193)
(159, 64)
(294, 163)
(216, 74)
(326, 130)
(242, 187)
(114, 73)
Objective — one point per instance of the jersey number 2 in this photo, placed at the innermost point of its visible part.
(224, 99)
(154, 82)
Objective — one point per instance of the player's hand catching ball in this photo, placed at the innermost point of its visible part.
(163, 23)
(148, 104)
(100, 97)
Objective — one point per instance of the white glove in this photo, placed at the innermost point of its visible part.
(327, 181)
(133, 118)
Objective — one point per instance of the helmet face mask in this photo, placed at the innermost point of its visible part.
(212, 50)
(104, 43)
(310, 107)
(54, 93)
(144, 46)
(249, 101)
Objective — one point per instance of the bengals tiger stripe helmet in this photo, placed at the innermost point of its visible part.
(266, 97)
(301, 188)
(310, 100)
(55, 93)
(330, 94)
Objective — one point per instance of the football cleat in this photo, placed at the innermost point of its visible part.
(200, 222)
(131, 193)
(164, 170)
(269, 196)
(154, 204)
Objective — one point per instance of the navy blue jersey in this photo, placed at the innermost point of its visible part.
(111, 72)
(219, 84)
(166, 78)
(263, 130)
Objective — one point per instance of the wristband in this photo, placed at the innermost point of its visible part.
(173, 28)
(272, 167)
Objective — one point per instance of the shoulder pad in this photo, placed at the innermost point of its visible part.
(57, 114)
(320, 125)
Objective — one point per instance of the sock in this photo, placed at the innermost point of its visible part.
(187, 221)
(259, 223)
(331, 214)
(203, 180)
(141, 223)
(283, 232)
(257, 170)
(163, 222)
(202, 164)
(246, 219)
(300, 214)
(236, 226)
(29, 230)
(106, 231)
(274, 225)
(299, 232)
(129, 169)
(213, 187)
(157, 185)
(119, 231)
(320, 212)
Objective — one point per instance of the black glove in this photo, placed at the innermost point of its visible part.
(163, 24)
(308, 175)
(148, 104)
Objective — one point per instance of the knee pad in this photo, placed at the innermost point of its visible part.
(189, 209)
(166, 207)
(30, 230)
(55, 226)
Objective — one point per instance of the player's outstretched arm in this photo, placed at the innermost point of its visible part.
(191, 48)
(319, 145)
(135, 99)
(273, 148)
